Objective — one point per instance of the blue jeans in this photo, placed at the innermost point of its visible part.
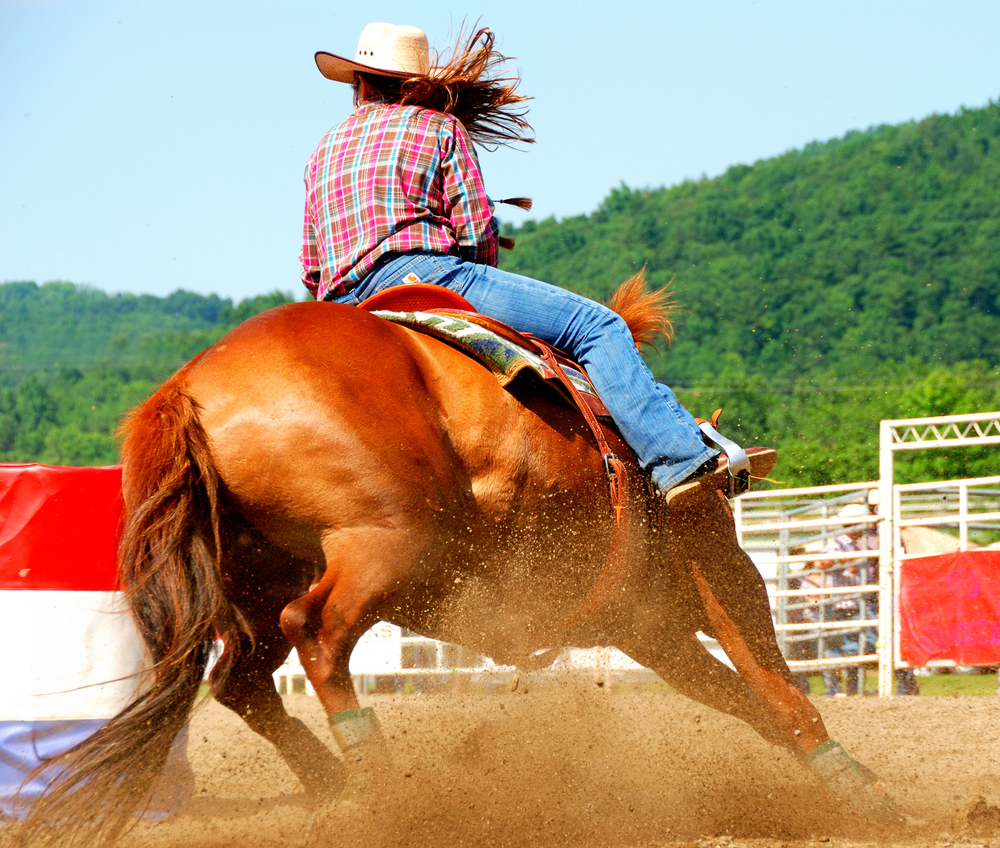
(663, 434)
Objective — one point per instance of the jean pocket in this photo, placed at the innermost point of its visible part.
(349, 298)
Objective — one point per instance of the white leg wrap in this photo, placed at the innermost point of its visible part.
(354, 728)
(848, 780)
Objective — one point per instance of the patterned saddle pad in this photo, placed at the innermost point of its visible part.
(504, 357)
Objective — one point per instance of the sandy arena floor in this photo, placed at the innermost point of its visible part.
(582, 765)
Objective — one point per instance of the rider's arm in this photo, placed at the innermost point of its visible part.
(309, 258)
(309, 262)
(469, 210)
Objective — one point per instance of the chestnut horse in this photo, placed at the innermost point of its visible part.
(320, 469)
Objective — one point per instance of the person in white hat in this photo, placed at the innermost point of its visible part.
(394, 194)
(862, 538)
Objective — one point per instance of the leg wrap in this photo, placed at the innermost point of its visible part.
(831, 762)
(354, 728)
(848, 779)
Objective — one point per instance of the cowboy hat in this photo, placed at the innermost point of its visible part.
(383, 49)
(853, 510)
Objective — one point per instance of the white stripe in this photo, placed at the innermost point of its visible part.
(66, 655)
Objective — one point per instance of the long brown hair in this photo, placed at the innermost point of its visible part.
(471, 86)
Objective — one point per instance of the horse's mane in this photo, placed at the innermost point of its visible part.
(646, 312)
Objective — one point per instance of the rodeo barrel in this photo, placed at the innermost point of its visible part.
(71, 656)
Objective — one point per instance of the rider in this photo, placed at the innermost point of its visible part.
(394, 195)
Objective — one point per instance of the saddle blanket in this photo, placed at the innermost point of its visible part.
(503, 357)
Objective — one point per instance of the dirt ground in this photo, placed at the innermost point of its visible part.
(584, 765)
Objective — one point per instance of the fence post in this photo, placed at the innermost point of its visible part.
(963, 516)
(886, 564)
(781, 603)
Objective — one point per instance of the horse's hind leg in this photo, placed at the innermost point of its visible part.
(364, 567)
(249, 691)
(261, 580)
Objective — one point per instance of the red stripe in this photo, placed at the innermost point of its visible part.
(59, 527)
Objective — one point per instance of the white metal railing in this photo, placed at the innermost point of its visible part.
(786, 531)
(945, 430)
(958, 509)
(388, 651)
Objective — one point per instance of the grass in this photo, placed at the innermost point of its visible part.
(933, 685)
(955, 685)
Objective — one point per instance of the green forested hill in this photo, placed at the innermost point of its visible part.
(818, 292)
(875, 247)
(80, 327)
(73, 359)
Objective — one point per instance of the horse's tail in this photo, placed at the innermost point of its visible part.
(168, 567)
(646, 312)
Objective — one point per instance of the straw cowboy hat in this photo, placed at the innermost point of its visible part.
(853, 510)
(383, 49)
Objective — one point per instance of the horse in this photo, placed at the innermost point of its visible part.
(320, 469)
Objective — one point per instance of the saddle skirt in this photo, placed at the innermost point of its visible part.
(442, 313)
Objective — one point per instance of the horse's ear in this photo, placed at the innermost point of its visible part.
(646, 312)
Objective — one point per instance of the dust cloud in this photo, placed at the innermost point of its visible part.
(568, 762)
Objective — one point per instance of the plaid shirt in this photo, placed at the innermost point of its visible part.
(392, 180)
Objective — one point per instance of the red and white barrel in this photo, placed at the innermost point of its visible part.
(70, 656)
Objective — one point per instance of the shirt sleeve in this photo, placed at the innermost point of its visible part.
(309, 258)
(469, 210)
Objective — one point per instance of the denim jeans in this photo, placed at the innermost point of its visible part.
(663, 434)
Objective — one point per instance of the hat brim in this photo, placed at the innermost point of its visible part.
(339, 69)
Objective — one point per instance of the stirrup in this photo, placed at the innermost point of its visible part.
(739, 462)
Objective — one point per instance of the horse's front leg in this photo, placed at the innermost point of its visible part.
(733, 600)
(702, 541)
(681, 660)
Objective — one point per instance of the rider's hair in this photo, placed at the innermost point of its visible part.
(470, 87)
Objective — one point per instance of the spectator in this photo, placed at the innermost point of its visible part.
(804, 610)
(845, 573)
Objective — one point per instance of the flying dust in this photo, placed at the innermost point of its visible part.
(568, 762)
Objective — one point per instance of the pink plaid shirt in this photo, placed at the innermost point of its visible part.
(392, 180)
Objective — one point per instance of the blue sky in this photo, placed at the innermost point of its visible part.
(150, 146)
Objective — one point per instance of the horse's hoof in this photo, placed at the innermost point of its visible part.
(852, 783)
